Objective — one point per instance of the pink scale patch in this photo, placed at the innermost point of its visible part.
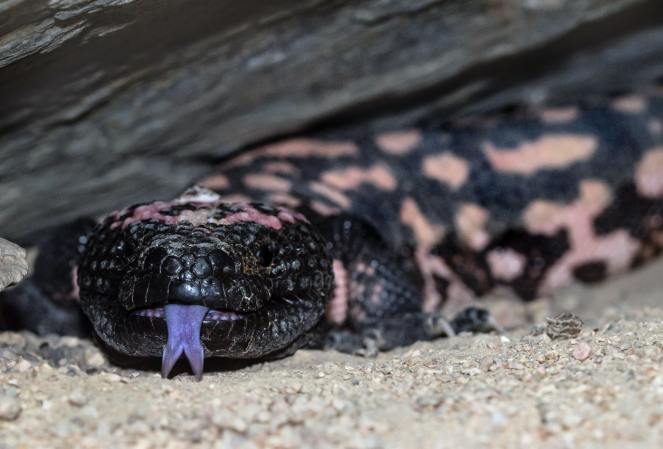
(235, 198)
(298, 149)
(471, 221)
(350, 178)
(560, 115)
(547, 217)
(505, 263)
(630, 104)
(337, 308)
(290, 216)
(554, 151)
(151, 211)
(200, 216)
(426, 233)
(218, 182)
(248, 213)
(338, 198)
(285, 168)
(323, 209)
(399, 142)
(203, 204)
(446, 168)
(649, 174)
(265, 182)
(458, 295)
(284, 199)
(655, 126)
(616, 249)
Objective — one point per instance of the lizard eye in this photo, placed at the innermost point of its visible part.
(265, 256)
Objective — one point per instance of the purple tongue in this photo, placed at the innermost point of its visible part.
(183, 337)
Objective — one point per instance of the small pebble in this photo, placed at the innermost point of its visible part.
(77, 398)
(23, 365)
(94, 358)
(10, 408)
(112, 377)
(581, 351)
(12, 339)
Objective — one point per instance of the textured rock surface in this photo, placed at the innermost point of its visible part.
(601, 389)
(13, 263)
(107, 102)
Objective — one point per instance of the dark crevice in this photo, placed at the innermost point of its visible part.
(495, 74)
(507, 71)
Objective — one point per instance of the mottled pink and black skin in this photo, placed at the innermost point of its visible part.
(521, 203)
(408, 226)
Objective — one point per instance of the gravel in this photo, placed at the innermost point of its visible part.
(601, 388)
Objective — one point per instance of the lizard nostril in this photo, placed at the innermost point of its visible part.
(201, 268)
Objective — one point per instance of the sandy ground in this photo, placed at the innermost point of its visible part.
(602, 389)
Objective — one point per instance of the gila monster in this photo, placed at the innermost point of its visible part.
(338, 240)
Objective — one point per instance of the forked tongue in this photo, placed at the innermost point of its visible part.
(183, 337)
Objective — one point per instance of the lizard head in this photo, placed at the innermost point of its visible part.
(203, 278)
